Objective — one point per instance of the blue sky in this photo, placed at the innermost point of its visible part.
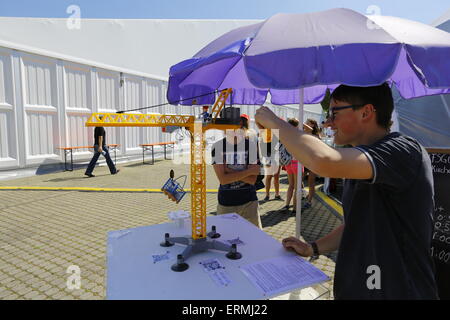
(419, 10)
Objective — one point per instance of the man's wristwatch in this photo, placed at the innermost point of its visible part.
(316, 253)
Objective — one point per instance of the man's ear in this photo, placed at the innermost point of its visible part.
(369, 109)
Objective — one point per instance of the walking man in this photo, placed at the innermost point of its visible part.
(100, 147)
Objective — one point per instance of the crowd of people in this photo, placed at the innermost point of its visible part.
(272, 158)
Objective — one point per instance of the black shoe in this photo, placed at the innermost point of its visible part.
(90, 175)
(306, 205)
(117, 171)
(266, 198)
(278, 198)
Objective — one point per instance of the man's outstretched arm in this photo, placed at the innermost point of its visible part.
(315, 154)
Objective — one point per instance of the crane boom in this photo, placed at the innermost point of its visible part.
(197, 130)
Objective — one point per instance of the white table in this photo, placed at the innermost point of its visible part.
(133, 274)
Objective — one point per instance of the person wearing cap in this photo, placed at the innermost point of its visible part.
(236, 164)
(384, 244)
(205, 115)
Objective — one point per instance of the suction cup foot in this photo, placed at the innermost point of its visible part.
(180, 266)
(213, 234)
(233, 254)
(166, 242)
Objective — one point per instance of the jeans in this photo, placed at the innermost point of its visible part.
(112, 167)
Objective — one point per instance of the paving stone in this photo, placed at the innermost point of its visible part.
(89, 286)
(56, 229)
(51, 291)
(87, 296)
(5, 293)
(12, 296)
(31, 295)
(59, 295)
(6, 280)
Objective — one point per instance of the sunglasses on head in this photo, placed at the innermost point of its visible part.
(332, 116)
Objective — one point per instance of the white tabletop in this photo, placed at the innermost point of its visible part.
(133, 274)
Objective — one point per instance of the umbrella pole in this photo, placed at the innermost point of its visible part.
(298, 215)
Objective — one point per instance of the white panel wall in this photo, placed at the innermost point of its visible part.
(45, 103)
(39, 92)
(78, 105)
(154, 95)
(132, 89)
(8, 148)
(108, 100)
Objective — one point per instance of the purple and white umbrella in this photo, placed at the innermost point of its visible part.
(296, 57)
(316, 51)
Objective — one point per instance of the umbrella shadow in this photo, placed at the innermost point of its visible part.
(274, 217)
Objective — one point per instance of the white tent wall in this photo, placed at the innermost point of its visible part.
(45, 102)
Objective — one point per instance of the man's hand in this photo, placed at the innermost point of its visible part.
(301, 248)
(265, 118)
(100, 149)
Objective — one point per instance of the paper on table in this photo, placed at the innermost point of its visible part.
(279, 275)
(216, 271)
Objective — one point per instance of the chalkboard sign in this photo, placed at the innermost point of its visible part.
(441, 235)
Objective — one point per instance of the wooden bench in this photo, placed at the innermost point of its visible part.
(150, 146)
(112, 147)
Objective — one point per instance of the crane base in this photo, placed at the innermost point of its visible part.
(194, 246)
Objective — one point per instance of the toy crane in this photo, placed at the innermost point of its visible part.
(229, 119)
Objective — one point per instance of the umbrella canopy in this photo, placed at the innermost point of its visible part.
(316, 51)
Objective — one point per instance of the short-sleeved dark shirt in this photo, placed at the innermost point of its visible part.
(99, 132)
(236, 157)
(388, 224)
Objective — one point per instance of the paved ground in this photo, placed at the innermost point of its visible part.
(42, 233)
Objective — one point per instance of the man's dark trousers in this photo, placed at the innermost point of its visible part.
(91, 166)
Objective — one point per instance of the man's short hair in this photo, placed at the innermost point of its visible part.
(379, 96)
(294, 122)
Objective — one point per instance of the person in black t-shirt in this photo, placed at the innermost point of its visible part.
(385, 241)
(100, 147)
(236, 163)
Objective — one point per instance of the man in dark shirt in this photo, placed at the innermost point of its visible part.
(385, 241)
(100, 147)
(236, 164)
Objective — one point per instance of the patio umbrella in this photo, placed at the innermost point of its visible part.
(297, 57)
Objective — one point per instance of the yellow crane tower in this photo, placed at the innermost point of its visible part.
(197, 129)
